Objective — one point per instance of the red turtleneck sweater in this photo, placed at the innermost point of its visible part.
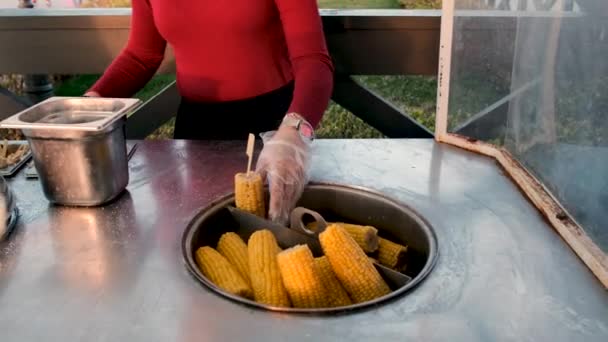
(227, 50)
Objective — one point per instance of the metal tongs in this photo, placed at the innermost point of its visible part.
(298, 233)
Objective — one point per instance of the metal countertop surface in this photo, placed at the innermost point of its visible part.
(116, 273)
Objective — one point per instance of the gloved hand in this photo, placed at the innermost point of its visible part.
(285, 163)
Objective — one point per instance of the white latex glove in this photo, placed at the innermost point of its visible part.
(285, 163)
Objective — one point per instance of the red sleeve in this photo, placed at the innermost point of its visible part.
(139, 60)
(312, 66)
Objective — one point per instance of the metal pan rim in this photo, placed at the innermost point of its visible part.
(227, 199)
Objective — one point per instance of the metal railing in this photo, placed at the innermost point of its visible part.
(361, 42)
(85, 41)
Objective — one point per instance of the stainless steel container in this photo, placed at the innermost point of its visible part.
(78, 146)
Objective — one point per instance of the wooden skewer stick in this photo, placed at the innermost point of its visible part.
(250, 145)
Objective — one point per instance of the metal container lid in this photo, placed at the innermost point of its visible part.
(72, 113)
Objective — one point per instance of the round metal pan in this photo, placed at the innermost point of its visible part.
(395, 221)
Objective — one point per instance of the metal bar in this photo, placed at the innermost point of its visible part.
(86, 41)
(340, 14)
(154, 113)
(11, 103)
(14, 97)
(491, 122)
(376, 111)
(489, 126)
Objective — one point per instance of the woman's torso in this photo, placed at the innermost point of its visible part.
(224, 50)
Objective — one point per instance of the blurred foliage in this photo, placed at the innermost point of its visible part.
(420, 4)
(358, 4)
(106, 3)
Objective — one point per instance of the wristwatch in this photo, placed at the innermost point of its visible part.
(300, 124)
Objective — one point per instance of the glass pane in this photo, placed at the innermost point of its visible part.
(482, 53)
(535, 81)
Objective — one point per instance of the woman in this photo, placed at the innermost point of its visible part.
(242, 66)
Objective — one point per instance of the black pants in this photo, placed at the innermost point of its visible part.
(232, 120)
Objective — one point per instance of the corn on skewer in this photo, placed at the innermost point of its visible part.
(221, 273)
(233, 248)
(264, 270)
(301, 278)
(335, 293)
(249, 193)
(391, 254)
(351, 266)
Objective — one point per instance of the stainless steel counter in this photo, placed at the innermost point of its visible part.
(116, 273)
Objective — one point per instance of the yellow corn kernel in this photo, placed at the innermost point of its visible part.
(233, 248)
(301, 278)
(365, 236)
(249, 193)
(221, 272)
(352, 267)
(264, 271)
(335, 293)
(391, 254)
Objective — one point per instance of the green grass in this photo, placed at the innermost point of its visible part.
(415, 96)
(358, 3)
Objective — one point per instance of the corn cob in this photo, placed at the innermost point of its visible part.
(365, 236)
(351, 266)
(221, 273)
(335, 293)
(264, 271)
(391, 254)
(233, 248)
(301, 278)
(249, 193)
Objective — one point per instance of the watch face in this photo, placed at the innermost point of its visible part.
(306, 130)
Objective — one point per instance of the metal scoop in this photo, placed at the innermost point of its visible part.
(297, 223)
(249, 223)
